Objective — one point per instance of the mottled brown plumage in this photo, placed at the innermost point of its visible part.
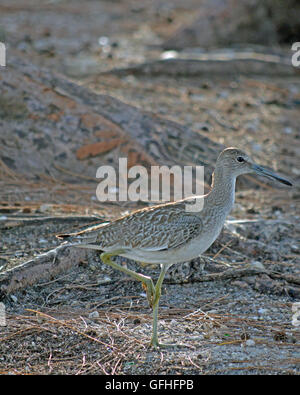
(153, 229)
(168, 233)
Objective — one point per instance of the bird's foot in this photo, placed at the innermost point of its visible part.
(154, 343)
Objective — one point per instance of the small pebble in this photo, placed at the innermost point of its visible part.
(45, 207)
(169, 55)
(294, 248)
(288, 130)
(103, 280)
(14, 298)
(262, 311)
(94, 314)
(103, 41)
(257, 265)
(250, 342)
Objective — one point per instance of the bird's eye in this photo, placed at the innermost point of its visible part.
(240, 159)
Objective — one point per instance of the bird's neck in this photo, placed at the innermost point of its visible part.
(223, 189)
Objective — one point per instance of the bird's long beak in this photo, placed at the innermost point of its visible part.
(268, 173)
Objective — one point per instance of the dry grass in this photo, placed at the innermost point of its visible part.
(115, 342)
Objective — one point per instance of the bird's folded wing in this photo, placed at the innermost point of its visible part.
(179, 231)
(152, 230)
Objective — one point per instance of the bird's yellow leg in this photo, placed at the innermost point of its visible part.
(146, 280)
(154, 339)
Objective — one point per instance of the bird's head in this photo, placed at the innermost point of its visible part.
(237, 162)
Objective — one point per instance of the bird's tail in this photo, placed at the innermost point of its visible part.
(87, 235)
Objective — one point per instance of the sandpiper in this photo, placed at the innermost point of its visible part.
(167, 234)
